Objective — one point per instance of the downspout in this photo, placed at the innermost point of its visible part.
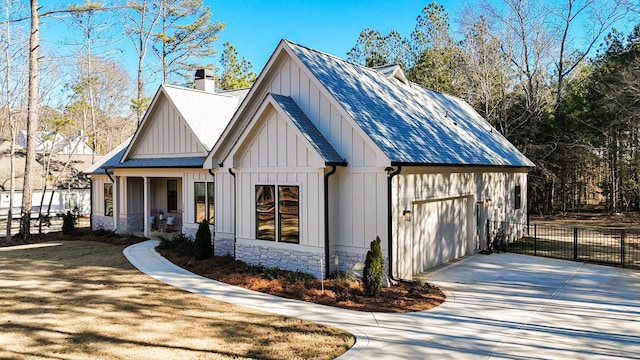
(214, 189)
(90, 202)
(327, 256)
(390, 218)
(235, 202)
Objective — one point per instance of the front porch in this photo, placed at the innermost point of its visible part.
(148, 204)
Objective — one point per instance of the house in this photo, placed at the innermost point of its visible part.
(58, 187)
(156, 173)
(324, 155)
(50, 142)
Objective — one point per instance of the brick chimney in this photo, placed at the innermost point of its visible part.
(205, 80)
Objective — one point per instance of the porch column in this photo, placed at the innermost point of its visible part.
(147, 212)
(116, 204)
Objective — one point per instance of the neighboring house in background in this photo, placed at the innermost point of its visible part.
(73, 190)
(159, 170)
(49, 142)
(320, 158)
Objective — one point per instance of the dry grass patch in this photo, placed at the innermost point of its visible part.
(79, 300)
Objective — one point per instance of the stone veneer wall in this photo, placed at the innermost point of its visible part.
(100, 222)
(223, 247)
(286, 259)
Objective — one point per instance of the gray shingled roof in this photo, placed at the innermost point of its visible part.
(411, 124)
(317, 140)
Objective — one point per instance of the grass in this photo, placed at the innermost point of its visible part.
(83, 300)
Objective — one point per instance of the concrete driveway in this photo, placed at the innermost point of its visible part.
(503, 306)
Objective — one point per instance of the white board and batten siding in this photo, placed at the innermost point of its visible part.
(358, 192)
(444, 216)
(275, 154)
(167, 134)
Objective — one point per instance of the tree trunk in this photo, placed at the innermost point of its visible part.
(12, 130)
(32, 119)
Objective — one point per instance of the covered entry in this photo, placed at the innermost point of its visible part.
(440, 232)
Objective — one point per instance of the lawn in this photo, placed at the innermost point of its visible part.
(82, 299)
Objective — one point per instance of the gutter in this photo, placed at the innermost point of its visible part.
(106, 171)
(390, 176)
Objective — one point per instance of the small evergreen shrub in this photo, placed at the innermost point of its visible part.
(68, 223)
(373, 272)
(202, 246)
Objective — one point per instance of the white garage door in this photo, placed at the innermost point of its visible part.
(440, 232)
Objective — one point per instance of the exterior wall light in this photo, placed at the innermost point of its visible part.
(406, 215)
(487, 202)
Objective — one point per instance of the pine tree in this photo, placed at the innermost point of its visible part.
(202, 246)
(373, 273)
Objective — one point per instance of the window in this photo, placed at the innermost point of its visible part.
(172, 195)
(518, 197)
(288, 213)
(265, 212)
(210, 202)
(108, 199)
(204, 200)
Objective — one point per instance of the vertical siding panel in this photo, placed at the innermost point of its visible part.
(369, 156)
(295, 82)
(282, 143)
(335, 131)
(263, 144)
(303, 101)
(346, 219)
(370, 207)
(272, 140)
(292, 148)
(312, 214)
(275, 83)
(246, 199)
(358, 222)
(285, 75)
(347, 143)
(357, 146)
(324, 117)
(253, 155)
(381, 206)
(314, 105)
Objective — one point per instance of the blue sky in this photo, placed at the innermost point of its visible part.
(255, 27)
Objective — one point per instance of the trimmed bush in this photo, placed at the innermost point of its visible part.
(373, 272)
(202, 246)
(68, 223)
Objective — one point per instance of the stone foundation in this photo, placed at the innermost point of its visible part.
(100, 222)
(223, 247)
(286, 259)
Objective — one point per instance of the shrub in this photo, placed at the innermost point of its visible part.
(373, 272)
(202, 245)
(68, 223)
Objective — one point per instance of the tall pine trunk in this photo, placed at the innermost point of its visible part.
(32, 119)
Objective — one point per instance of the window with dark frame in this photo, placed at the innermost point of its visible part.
(518, 197)
(108, 199)
(204, 193)
(172, 195)
(266, 212)
(283, 226)
(210, 202)
(288, 214)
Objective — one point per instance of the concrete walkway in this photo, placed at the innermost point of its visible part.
(499, 306)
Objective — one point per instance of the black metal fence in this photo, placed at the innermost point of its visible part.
(603, 246)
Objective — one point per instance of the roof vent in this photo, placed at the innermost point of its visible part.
(205, 80)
